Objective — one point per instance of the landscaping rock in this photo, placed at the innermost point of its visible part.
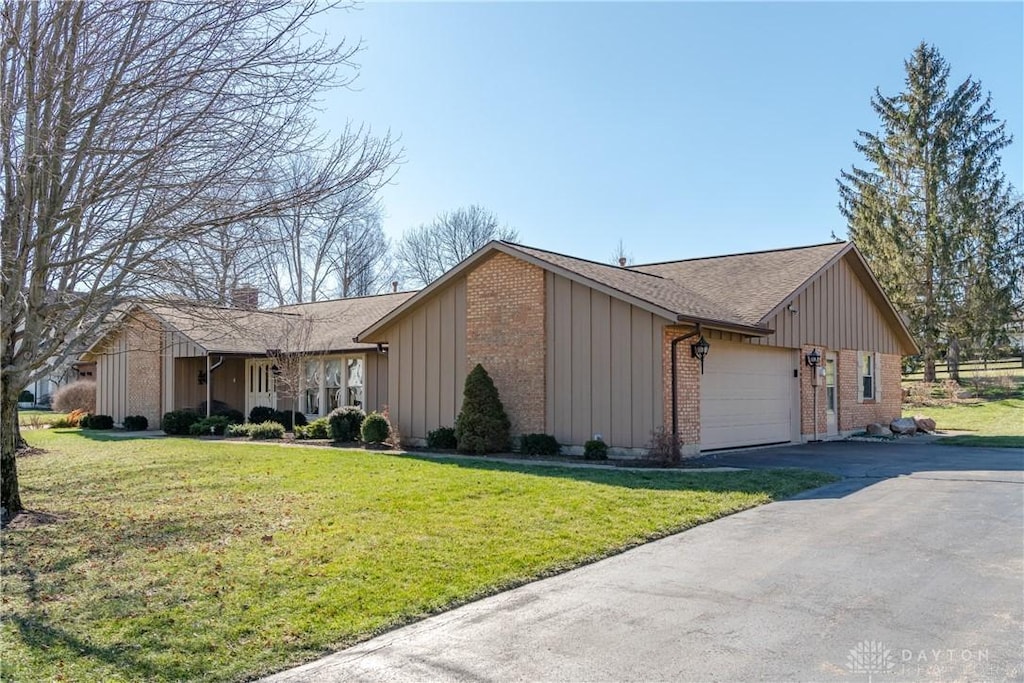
(924, 424)
(903, 425)
(876, 429)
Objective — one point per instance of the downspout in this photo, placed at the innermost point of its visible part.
(675, 383)
(209, 385)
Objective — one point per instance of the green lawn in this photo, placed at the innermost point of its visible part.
(177, 559)
(996, 423)
(36, 418)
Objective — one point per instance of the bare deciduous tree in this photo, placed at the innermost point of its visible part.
(129, 128)
(335, 248)
(427, 252)
(621, 257)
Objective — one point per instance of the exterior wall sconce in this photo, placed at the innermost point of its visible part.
(699, 350)
(276, 371)
(813, 359)
(201, 378)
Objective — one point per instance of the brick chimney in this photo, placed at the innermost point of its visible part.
(246, 296)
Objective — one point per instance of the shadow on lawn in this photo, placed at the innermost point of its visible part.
(39, 634)
(777, 484)
(109, 435)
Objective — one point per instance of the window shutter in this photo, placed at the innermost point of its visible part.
(876, 381)
(860, 377)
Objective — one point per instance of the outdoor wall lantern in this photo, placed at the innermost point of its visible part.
(202, 377)
(699, 350)
(813, 358)
(276, 371)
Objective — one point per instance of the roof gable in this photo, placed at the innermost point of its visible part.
(752, 284)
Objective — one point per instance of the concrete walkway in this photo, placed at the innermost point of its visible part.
(911, 569)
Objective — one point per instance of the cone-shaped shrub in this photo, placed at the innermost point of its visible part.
(482, 426)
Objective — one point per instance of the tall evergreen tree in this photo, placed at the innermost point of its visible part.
(934, 214)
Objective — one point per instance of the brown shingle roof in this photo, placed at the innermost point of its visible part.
(337, 322)
(313, 327)
(753, 284)
(654, 288)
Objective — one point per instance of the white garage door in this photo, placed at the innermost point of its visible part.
(747, 396)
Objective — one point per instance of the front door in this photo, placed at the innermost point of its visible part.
(259, 384)
(831, 420)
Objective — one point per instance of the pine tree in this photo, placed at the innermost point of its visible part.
(934, 214)
(482, 425)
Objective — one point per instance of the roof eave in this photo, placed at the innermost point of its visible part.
(726, 326)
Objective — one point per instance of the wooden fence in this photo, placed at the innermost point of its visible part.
(970, 367)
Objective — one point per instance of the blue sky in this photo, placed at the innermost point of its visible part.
(684, 129)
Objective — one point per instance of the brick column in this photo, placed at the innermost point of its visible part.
(144, 379)
(688, 386)
(807, 390)
(505, 332)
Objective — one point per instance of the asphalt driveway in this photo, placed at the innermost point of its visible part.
(912, 568)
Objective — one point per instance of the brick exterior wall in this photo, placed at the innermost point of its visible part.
(688, 388)
(144, 380)
(855, 415)
(505, 332)
(807, 389)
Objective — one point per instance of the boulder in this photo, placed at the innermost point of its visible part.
(924, 424)
(876, 429)
(903, 425)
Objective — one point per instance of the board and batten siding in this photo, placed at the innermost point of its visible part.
(375, 381)
(604, 367)
(176, 345)
(834, 311)
(112, 376)
(426, 363)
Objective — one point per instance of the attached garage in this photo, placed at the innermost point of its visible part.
(749, 396)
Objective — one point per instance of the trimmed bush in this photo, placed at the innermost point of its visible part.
(346, 423)
(319, 428)
(235, 417)
(375, 428)
(26, 396)
(539, 444)
(215, 425)
(290, 419)
(595, 449)
(237, 430)
(90, 421)
(80, 395)
(482, 425)
(261, 414)
(442, 437)
(178, 422)
(266, 430)
(135, 423)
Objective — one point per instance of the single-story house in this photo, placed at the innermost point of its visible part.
(161, 357)
(579, 349)
(716, 350)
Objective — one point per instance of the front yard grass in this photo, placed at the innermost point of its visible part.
(996, 423)
(34, 417)
(175, 559)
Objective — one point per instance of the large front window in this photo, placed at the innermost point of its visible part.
(333, 383)
(355, 382)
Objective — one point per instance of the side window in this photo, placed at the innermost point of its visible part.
(868, 372)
